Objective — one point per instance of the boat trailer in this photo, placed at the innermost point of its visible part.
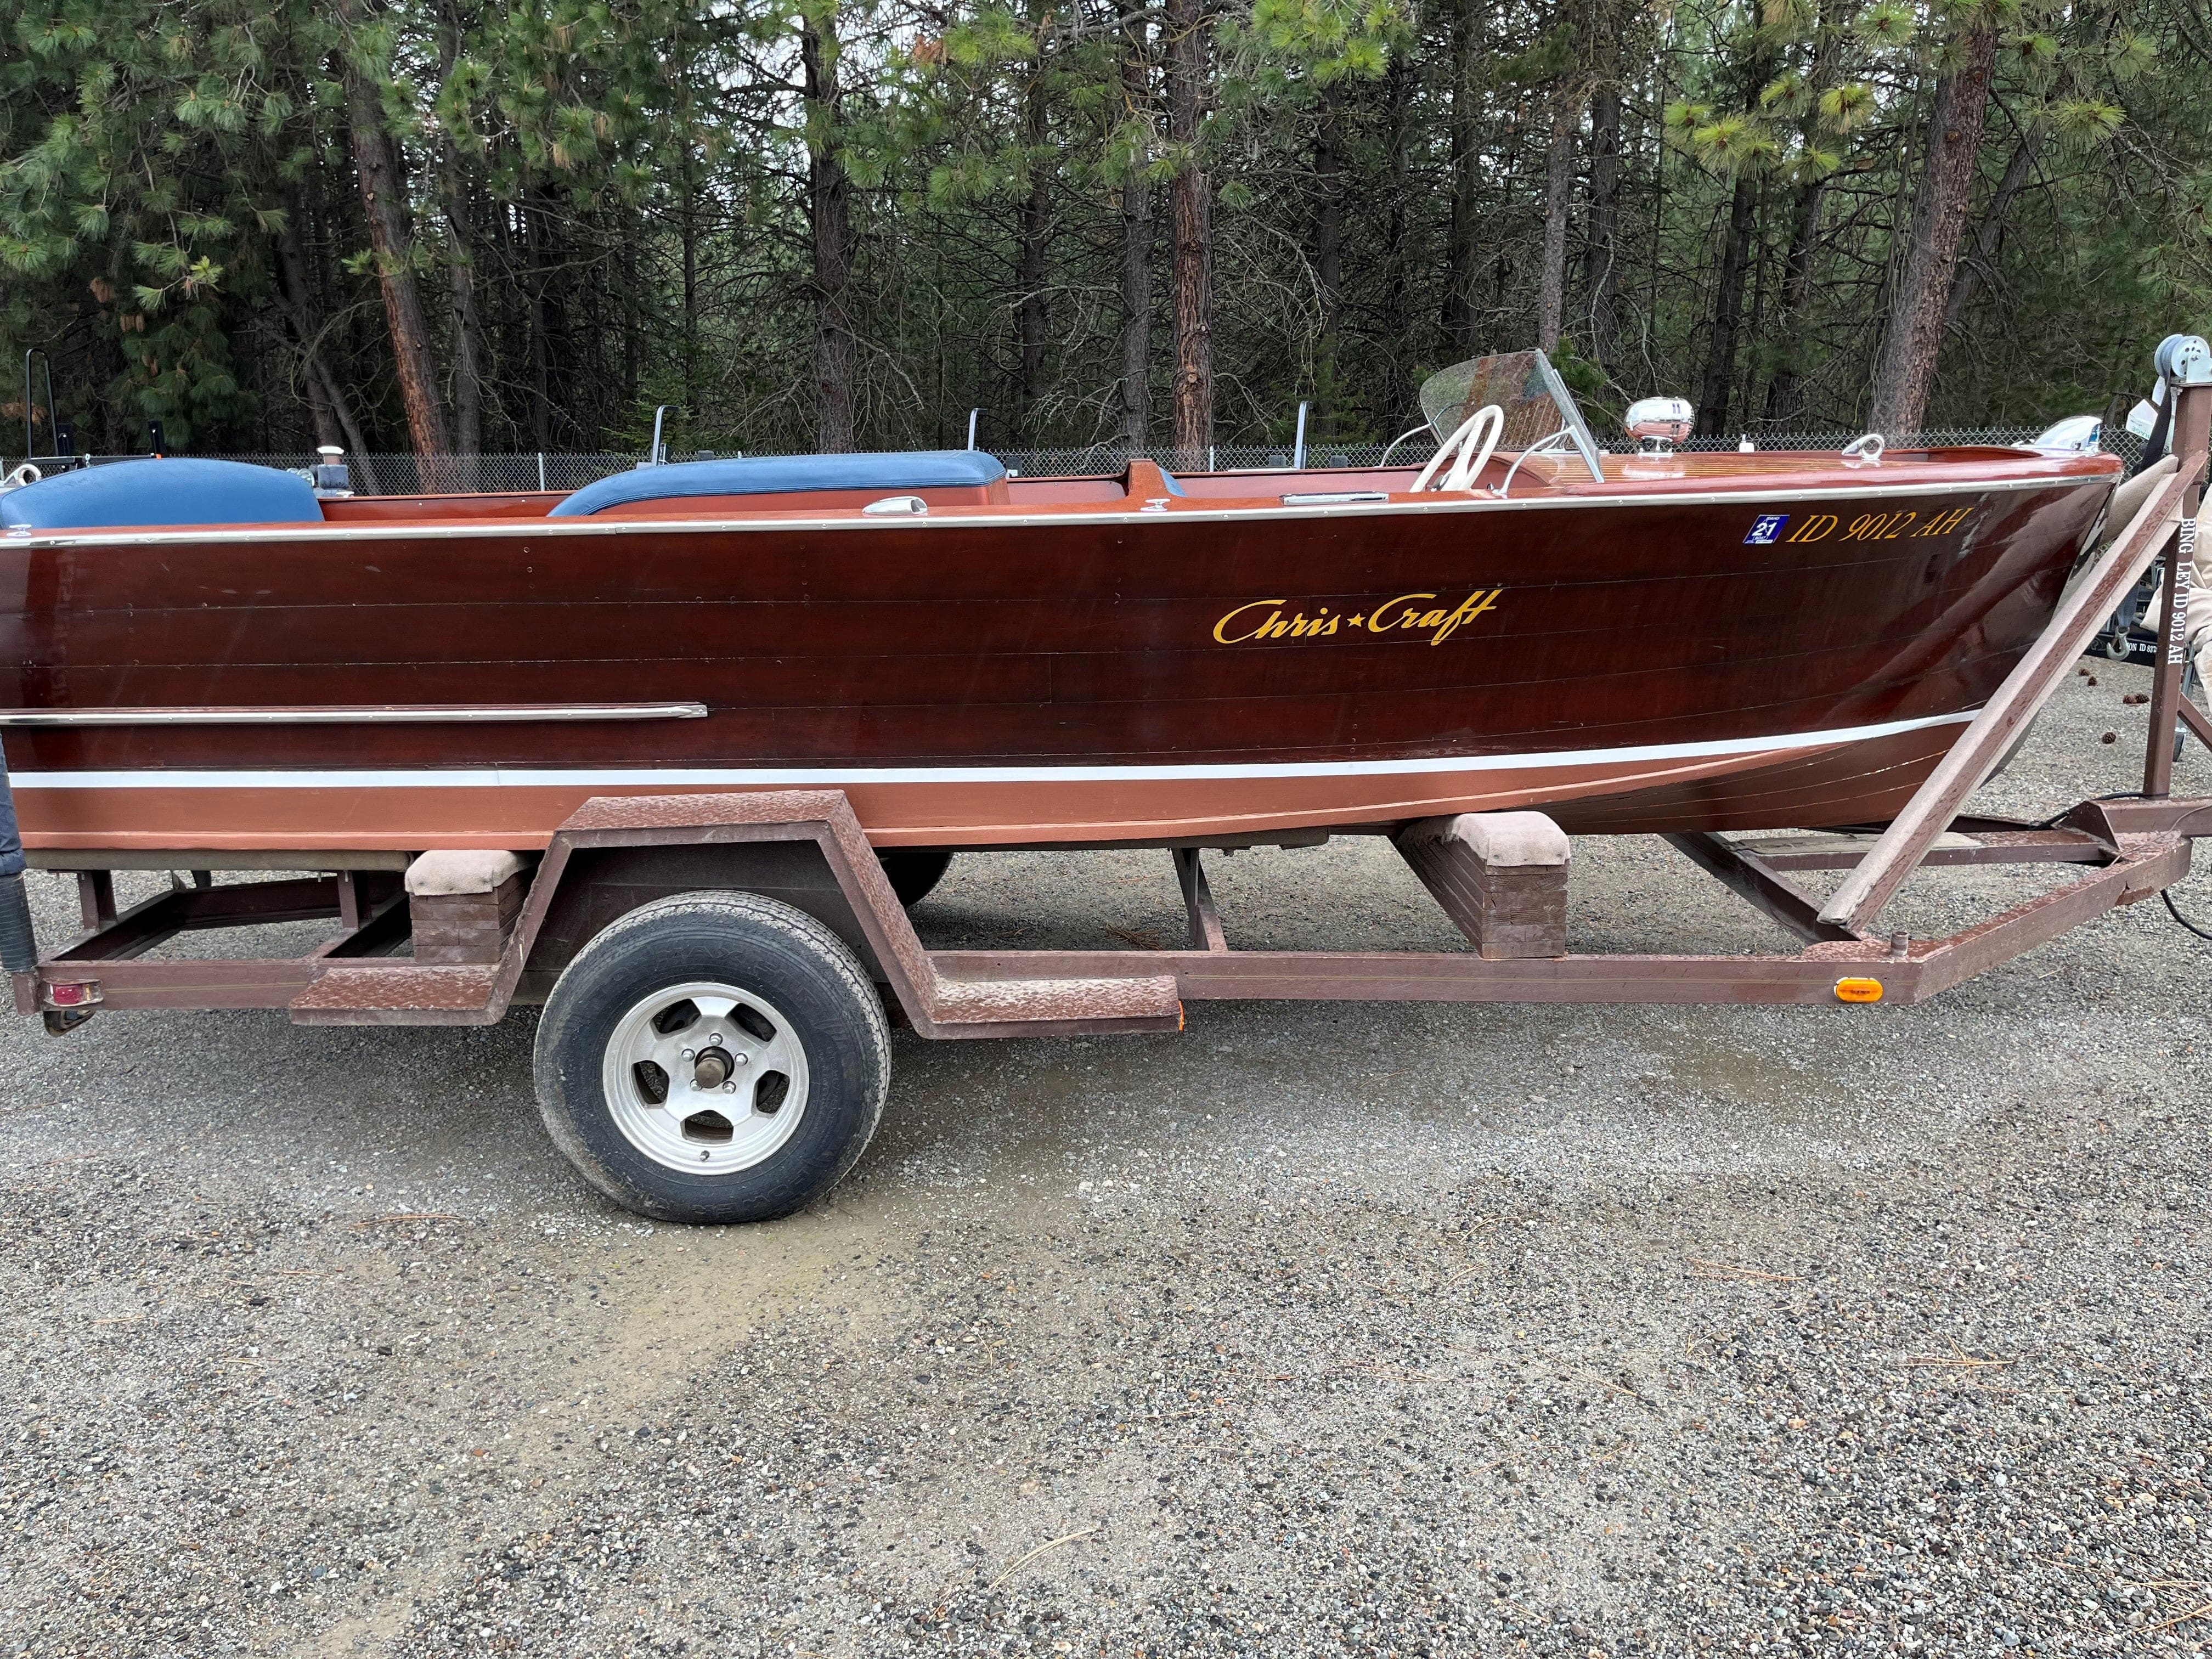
(458, 938)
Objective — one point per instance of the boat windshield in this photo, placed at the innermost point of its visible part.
(1540, 410)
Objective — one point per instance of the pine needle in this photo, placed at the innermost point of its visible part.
(1050, 1544)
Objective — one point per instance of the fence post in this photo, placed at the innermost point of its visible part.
(541, 472)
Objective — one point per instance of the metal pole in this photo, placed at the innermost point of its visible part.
(1298, 451)
(30, 407)
(972, 415)
(541, 470)
(19, 945)
(2192, 417)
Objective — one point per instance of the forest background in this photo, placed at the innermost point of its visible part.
(463, 228)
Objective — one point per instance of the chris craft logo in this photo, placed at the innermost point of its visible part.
(1263, 619)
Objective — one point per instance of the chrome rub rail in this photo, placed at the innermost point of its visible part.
(429, 714)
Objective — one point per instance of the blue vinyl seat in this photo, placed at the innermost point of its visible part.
(777, 475)
(156, 494)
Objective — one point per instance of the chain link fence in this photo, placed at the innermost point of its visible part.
(422, 475)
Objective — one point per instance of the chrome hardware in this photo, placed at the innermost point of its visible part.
(1659, 423)
(2077, 433)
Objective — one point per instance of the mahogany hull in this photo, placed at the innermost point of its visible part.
(1639, 662)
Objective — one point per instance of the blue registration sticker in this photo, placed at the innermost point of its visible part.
(1767, 529)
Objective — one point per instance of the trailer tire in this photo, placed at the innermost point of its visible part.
(915, 871)
(732, 992)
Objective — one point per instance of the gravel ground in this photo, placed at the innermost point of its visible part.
(1376, 1329)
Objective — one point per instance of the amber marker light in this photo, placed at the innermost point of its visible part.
(1858, 990)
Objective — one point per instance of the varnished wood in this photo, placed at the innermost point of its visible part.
(1077, 641)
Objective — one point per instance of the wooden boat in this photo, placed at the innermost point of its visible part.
(1659, 642)
(744, 710)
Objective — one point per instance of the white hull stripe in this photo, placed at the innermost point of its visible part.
(716, 777)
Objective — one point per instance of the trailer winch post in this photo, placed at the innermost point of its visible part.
(1900, 849)
(2185, 365)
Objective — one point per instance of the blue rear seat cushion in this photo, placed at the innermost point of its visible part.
(153, 494)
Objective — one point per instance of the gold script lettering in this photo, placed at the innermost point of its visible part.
(1244, 624)
(1469, 608)
(1255, 604)
(1377, 624)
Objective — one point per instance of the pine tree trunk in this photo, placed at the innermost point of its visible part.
(1800, 264)
(540, 320)
(829, 192)
(1137, 233)
(1328, 254)
(691, 231)
(326, 398)
(1559, 199)
(1035, 246)
(1906, 375)
(1798, 272)
(391, 241)
(1601, 246)
(1988, 235)
(467, 329)
(468, 322)
(1727, 309)
(1463, 258)
(320, 410)
(1192, 201)
(688, 227)
(1387, 376)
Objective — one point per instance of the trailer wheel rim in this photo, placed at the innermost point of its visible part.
(705, 1077)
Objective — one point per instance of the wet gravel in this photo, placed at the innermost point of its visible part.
(1373, 1329)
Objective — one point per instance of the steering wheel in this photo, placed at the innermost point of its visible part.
(1469, 449)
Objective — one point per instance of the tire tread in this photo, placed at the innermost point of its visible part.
(735, 914)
